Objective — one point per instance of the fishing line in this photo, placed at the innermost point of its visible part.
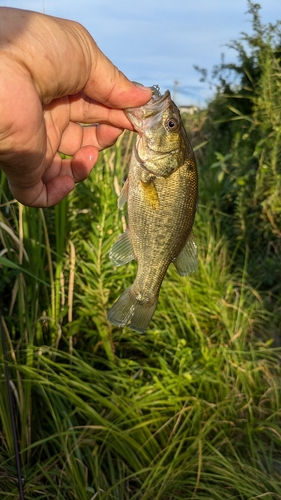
(12, 410)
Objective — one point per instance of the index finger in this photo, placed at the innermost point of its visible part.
(108, 85)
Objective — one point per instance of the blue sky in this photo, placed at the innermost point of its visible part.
(159, 41)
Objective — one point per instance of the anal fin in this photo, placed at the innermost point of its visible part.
(187, 261)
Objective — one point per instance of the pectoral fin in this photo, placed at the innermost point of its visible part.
(123, 197)
(150, 194)
(122, 251)
(187, 260)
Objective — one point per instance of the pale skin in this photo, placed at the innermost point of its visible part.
(53, 77)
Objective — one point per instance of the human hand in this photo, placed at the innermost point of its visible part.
(53, 77)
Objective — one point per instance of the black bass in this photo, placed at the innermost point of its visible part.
(161, 191)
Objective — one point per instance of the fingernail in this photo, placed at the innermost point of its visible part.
(137, 84)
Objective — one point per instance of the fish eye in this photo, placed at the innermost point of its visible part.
(172, 124)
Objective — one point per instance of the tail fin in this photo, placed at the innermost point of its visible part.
(130, 311)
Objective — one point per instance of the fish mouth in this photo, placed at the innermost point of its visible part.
(150, 113)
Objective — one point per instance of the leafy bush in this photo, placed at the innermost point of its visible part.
(241, 170)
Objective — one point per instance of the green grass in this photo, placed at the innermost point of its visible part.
(188, 410)
(191, 409)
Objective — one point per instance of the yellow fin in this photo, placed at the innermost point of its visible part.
(150, 194)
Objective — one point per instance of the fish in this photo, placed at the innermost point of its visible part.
(162, 195)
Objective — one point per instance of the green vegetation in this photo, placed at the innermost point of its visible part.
(191, 409)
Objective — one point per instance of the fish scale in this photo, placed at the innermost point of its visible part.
(161, 191)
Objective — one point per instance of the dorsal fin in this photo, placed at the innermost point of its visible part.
(122, 251)
(123, 197)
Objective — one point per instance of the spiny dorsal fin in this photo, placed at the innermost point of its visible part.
(187, 261)
(123, 197)
(122, 251)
